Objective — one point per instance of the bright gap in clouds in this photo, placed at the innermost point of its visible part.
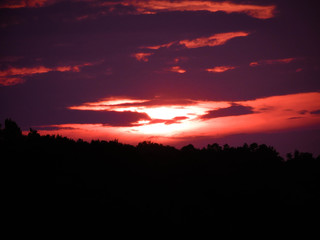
(172, 120)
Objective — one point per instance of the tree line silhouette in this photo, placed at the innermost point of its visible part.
(232, 189)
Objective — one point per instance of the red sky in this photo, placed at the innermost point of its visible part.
(175, 72)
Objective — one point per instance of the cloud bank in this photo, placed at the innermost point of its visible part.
(156, 6)
(170, 120)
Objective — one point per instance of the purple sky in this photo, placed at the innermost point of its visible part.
(176, 72)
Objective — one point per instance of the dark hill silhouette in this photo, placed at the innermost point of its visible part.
(229, 189)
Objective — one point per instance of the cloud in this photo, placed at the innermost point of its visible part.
(214, 40)
(176, 120)
(234, 110)
(168, 122)
(211, 41)
(173, 120)
(155, 6)
(315, 112)
(220, 69)
(24, 71)
(107, 118)
(24, 3)
(176, 69)
(272, 61)
(13, 76)
(156, 47)
(4, 81)
(142, 57)
(302, 112)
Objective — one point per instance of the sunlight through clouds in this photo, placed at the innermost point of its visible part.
(198, 118)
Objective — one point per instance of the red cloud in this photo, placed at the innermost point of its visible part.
(10, 81)
(13, 76)
(24, 71)
(177, 69)
(220, 69)
(211, 41)
(214, 40)
(142, 56)
(272, 61)
(23, 3)
(155, 6)
(167, 45)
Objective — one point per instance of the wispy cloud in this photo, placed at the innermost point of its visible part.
(214, 40)
(272, 61)
(177, 69)
(211, 41)
(142, 57)
(10, 81)
(24, 3)
(13, 76)
(155, 6)
(166, 45)
(220, 69)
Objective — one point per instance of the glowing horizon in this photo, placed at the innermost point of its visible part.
(169, 122)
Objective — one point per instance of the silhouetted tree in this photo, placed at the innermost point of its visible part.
(33, 134)
(214, 147)
(227, 188)
(11, 130)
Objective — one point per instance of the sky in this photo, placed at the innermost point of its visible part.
(172, 72)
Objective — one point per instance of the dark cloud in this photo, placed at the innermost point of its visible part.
(175, 120)
(234, 110)
(302, 112)
(109, 118)
(168, 122)
(315, 112)
(158, 102)
(55, 117)
(294, 118)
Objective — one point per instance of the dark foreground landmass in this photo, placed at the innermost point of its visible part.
(62, 182)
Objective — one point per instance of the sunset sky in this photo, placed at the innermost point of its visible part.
(172, 72)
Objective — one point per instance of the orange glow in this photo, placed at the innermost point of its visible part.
(156, 47)
(214, 40)
(170, 122)
(177, 69)
(272, 61)
(142, 56)
(154, 6)
(109, 104)
(24, 71)
(12, 75)
(211, 41)
(220, 69)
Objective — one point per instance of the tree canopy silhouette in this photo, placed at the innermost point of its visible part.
(224, 187)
